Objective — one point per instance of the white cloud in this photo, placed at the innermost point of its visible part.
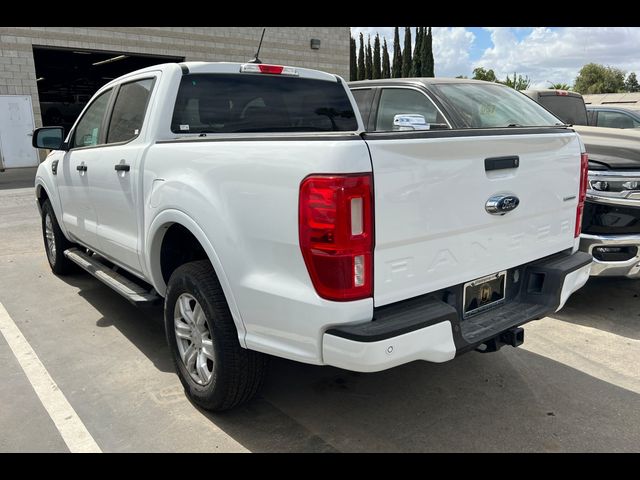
(547, 55)
(451, 46)
(544, 54)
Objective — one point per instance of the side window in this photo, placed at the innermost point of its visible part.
(394, 101)
(87, 133)
(129, 110)
(363, 97)
(614, 120)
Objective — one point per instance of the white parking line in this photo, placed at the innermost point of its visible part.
(65, 418)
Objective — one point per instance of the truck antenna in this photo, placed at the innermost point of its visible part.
(256, 59)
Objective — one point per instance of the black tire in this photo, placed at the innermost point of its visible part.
(60, 265)
(237, 373)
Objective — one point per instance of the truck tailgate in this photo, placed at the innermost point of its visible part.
(431, 227)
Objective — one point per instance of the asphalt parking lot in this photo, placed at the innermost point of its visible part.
(573, 386)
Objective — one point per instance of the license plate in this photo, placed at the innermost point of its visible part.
(484, 293)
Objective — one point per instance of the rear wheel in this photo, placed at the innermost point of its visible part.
(216, 372)
(55, 243)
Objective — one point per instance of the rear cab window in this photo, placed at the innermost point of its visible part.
(568, 108)
(238, 103)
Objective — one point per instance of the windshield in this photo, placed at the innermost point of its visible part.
(490, 105)
(233, 103)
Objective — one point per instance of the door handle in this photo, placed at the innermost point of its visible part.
(81, 168)
(501, 163)
(122, 167)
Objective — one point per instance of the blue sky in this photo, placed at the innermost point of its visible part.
(544, 54)
(483, 41)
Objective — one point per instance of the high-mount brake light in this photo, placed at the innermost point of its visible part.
(268, 69)
(336, 234)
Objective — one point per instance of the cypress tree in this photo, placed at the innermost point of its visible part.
(368, 66)
(353, 62)
(407, 63)
(386, 65)
(417, 54)
(377, 69)
(428, 65)
(361, 58)
(424, 51)
(397, 55)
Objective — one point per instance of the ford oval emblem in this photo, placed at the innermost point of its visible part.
(501, 204)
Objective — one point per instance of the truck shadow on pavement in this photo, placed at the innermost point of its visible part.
(143, 327)
(608, 304)
(513, 400)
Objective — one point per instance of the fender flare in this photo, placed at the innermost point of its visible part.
(54, 198)
(155, 235)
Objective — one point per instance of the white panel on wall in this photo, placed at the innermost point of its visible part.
(16, 127)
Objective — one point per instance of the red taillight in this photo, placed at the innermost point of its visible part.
(562, 92)
(336, 234)
(582, 194)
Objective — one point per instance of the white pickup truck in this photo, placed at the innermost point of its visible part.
(250, 198)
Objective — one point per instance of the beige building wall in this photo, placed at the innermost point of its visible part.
(281, 45)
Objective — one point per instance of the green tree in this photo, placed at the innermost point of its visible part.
(368, 65)
(353, 62)
(518, 82)
(595, 78)
(386, 65)
(407, 62)
(631, 83)
(479, 73)
(417, 54)
(559, 86)
(428, 66)
(361, 71)
(397, 55)
(377, 69)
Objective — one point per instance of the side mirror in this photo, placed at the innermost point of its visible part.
(49, 137)
(410, 121)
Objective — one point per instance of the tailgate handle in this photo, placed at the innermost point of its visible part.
(501, 163)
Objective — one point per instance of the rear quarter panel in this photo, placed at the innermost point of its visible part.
(244, 196)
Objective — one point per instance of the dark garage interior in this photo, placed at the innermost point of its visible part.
(67, 78)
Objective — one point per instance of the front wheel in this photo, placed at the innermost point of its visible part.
(55, 243)
(216, 372)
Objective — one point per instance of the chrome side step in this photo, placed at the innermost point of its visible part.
(130, 290)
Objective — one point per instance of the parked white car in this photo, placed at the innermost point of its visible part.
(249, 197)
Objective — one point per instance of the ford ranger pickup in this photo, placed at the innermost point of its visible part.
(252, 202)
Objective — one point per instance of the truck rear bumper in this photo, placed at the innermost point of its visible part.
(613, 255)
(432, 329)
